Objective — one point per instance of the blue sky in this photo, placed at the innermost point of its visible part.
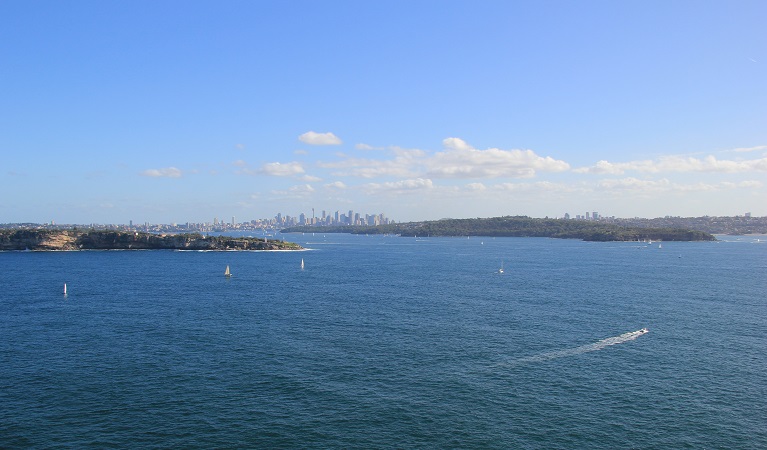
(176, 111)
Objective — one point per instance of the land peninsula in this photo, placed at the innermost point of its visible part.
(521, 226)
(25, 239)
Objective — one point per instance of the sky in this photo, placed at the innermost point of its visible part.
(185, 111)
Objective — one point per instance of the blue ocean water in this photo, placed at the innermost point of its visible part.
(383, 342)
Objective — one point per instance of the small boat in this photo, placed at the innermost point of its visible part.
(660, 245)
(65, 289)
(302, 263)
(227, 273)
(501, 269)
(644, 330)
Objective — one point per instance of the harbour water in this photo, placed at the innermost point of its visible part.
(388, 342)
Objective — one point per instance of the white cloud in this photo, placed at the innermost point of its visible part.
(402, 166)
(456, 144)
(312, 138)
(240, 163)
(460, 160)
(541, 186)
(675, 163)
(300, 152)
(336, 185)
(399, 187)
(294, 192)
(302, 188)
(632, 183)
(666, 186)
(749, 149)
(710, 164)
(476, 187)
(310, 178)
(362, 146)
(750, 184)
(282, 169)
(168, 172)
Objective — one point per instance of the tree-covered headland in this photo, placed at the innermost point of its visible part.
(522, 226)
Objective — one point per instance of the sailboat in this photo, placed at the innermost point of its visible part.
(65, 289)
(227, 273)
(302, 263)
(501, 269)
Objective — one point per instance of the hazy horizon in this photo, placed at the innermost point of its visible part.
(175, 111)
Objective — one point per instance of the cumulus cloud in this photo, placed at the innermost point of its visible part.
(476, 187)
(403, 165)
(282, 169)
(336, 185)
(399, 187)
(312, 138)
(168, 172)
(460, 160)
(457, 160)
(674, 163)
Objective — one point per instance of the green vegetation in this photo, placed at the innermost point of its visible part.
(27, 239)
(521, 226)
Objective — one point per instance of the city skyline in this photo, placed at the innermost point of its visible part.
(174, 112)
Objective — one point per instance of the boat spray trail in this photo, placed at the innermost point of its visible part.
(599, 345)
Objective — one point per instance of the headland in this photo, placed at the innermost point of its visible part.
(26, 239)
(522, 226)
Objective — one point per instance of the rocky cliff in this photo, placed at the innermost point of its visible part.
(116, 240)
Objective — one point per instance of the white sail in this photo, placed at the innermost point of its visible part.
(65, 289)
(227, 273)
(302, 263)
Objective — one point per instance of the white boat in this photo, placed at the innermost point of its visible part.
(65, 289)
(501, 269)
(227, 273)
(660, 245)
(644, 330)
(302, 263)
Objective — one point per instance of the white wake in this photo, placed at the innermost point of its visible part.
(599, 345)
